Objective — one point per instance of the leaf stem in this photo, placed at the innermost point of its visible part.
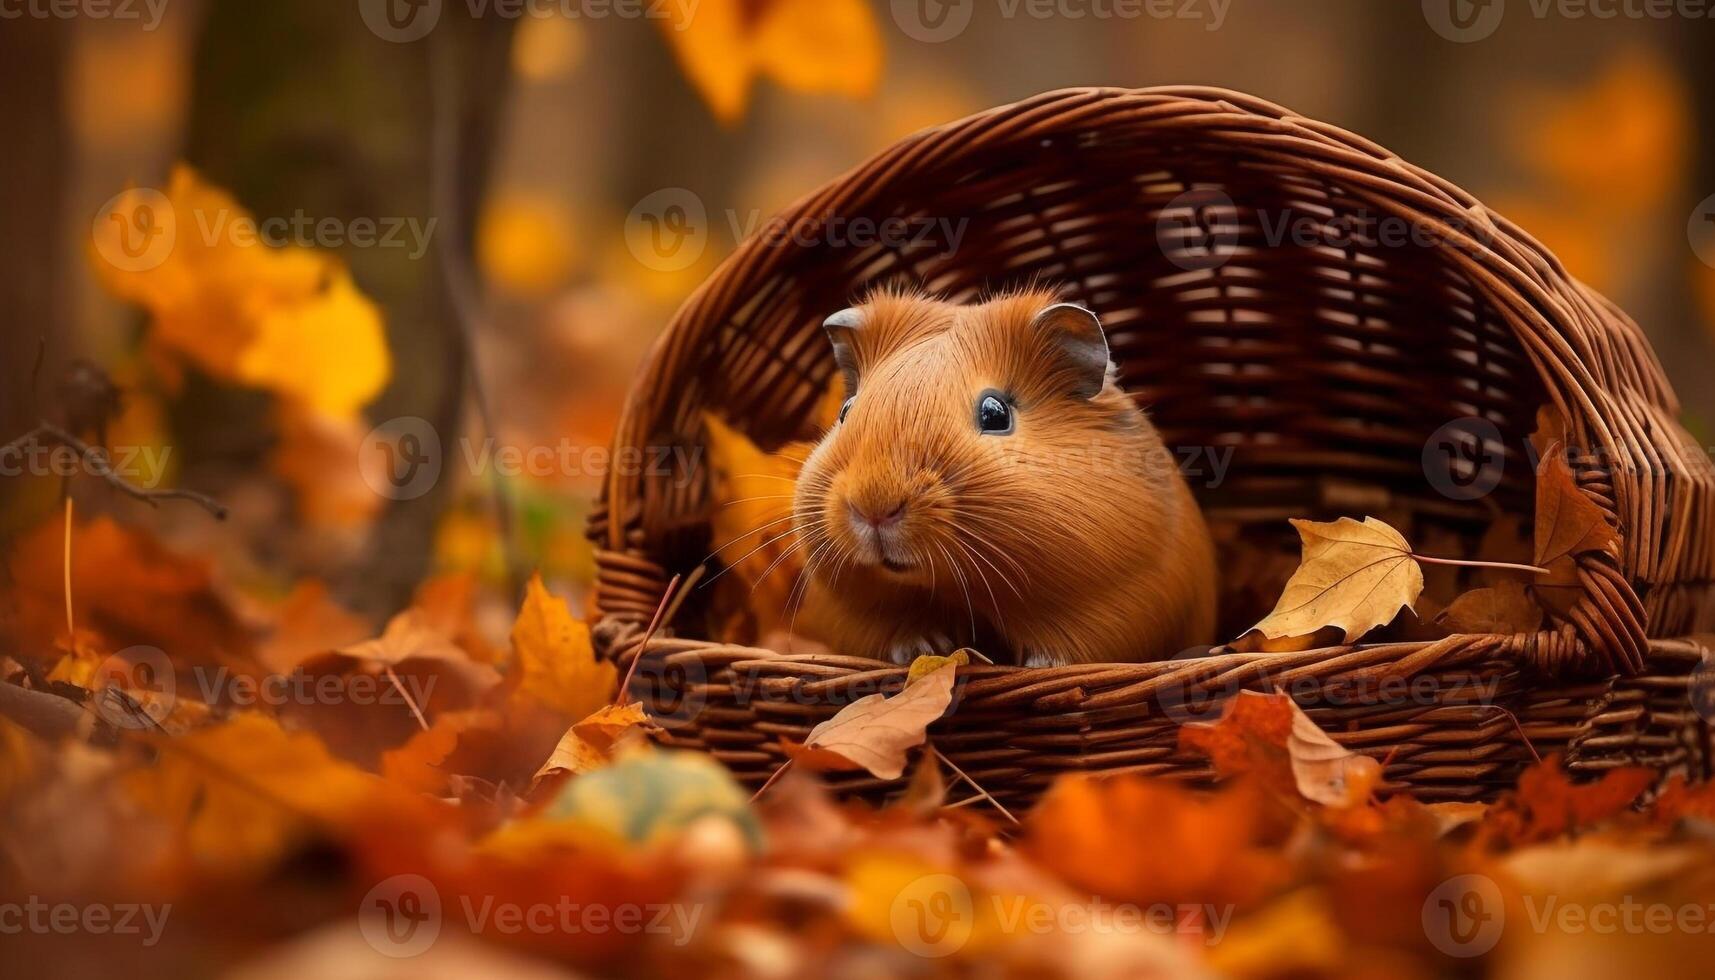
(1474, 563)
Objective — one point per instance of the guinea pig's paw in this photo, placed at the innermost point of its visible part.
(908, 648)
(1037, 658)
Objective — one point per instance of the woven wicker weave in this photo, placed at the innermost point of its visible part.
(1324, 359)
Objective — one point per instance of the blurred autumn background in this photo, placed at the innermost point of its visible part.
(508, 155)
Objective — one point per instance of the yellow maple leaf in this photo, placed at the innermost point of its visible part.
(1355, 575)
(288, 320)
(327, 350)
(805, 45)
(555, 661)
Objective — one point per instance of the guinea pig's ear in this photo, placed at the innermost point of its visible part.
(840, 327)
(1075, 338)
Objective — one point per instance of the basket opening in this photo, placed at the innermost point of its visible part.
(1308, 350)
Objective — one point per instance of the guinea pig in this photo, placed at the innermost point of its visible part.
(989, 484)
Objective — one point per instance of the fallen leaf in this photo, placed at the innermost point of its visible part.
(1547, 804)
(589, 744)
(929, 663)
(877, 731)
(554, 658)
(1144, 840)
(1354, 576)
(1268, 734)
(1502, 608)
(420, 764)
(245, 790)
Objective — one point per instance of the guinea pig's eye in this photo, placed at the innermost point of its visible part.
(846, 408)
(994, 415)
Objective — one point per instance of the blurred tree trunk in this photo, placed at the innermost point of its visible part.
(34, 54)
(299, 108)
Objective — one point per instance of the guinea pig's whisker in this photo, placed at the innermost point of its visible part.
(978, 543)
(766, 496)
(736, 562)
(802, 589)
(953, 567)
(796, 545)
(993, 599)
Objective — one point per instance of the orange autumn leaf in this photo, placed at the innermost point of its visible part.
(589, 744)
(1547, 803)
(241, 792)
(420, 764)
(1268, 734)
(126, 586)
(1143, 840)
(554, 659)
(805, 45)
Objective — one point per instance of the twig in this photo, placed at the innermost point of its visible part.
(624, 692)
(974, 784)
(65, 561)
(770, 782)
(400, 687)
(96, 461)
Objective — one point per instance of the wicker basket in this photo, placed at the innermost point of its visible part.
(1270, 284)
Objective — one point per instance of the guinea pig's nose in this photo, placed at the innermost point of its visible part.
(879, 517)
